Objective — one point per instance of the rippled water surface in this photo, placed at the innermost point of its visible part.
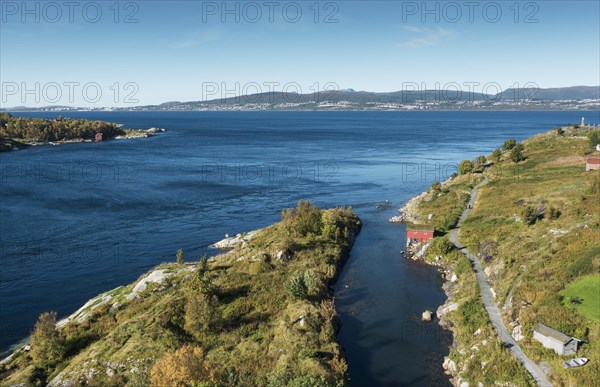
(80, 219)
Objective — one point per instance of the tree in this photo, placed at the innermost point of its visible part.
(296, 286)
(516, 154)
(509, 144)
(202, 265)
(201, 314)
(47, 344)
(465, 166)
(497, 155)
(180, 256)
(307, 218)
(184, 367)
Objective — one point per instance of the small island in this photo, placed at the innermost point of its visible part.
(18, 133)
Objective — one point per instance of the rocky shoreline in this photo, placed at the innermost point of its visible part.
(156, 276)
(408, 213)
(9, 144)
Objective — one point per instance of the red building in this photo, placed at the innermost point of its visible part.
(592, 163)
(419, 234)
(98, 137)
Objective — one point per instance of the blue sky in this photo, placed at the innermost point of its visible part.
(192, 50)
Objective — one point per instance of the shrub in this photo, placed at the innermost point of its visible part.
(312, 282)
(497, 155)
(180, 256)
(435, 188)
(441, 246)
(473, 314)
(339, 366)
(529, 215)
(202, 265)
(594, 138)
(516, 154)
(183, 367)
(479, 161)
(329, 225)
(559, 131)
(509, 144)
(553, 213)
(296, 286)
(47, 345)
(306, 218)
(465, 166)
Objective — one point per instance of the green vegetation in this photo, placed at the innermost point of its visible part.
(529, 215)
(48, 347)
(228, 321)
(179, 256)
(516, 154)
(446, 205)
(584, 296)
(536, 267)
(509, 144)
(496, 155)
(60, 129)
(594, 138)
(479, 162)
(441, 246)
(465, 166)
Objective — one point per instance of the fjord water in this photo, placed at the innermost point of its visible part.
(80, 219)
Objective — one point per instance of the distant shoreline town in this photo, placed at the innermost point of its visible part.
(568, 98)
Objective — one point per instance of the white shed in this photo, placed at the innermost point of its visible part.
(553, 339)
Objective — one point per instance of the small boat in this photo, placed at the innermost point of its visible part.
(577, 362)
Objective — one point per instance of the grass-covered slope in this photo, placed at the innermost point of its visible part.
(262, 314)
(536, 229)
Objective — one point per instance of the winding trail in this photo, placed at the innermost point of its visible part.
(488, 301)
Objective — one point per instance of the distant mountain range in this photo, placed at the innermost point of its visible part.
(402, 97)
(552, 98)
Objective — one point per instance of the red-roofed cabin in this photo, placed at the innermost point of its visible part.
(419, 234)
(98, 137)
(593, 163)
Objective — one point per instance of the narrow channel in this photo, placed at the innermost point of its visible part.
(380, 298)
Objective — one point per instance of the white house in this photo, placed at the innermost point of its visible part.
(553, 339)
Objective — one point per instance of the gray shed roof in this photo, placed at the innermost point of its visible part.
(553, 333)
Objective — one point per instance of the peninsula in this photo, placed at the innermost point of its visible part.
(260, 314)
(18, 133)
(518, 240)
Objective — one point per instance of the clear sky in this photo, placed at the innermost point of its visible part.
(157, 51)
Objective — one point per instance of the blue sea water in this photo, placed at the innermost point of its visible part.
(80, 219)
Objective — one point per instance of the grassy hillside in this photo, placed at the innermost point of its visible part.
(261, 314)
(536, 229)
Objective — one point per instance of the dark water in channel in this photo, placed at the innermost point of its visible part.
(80, 219)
